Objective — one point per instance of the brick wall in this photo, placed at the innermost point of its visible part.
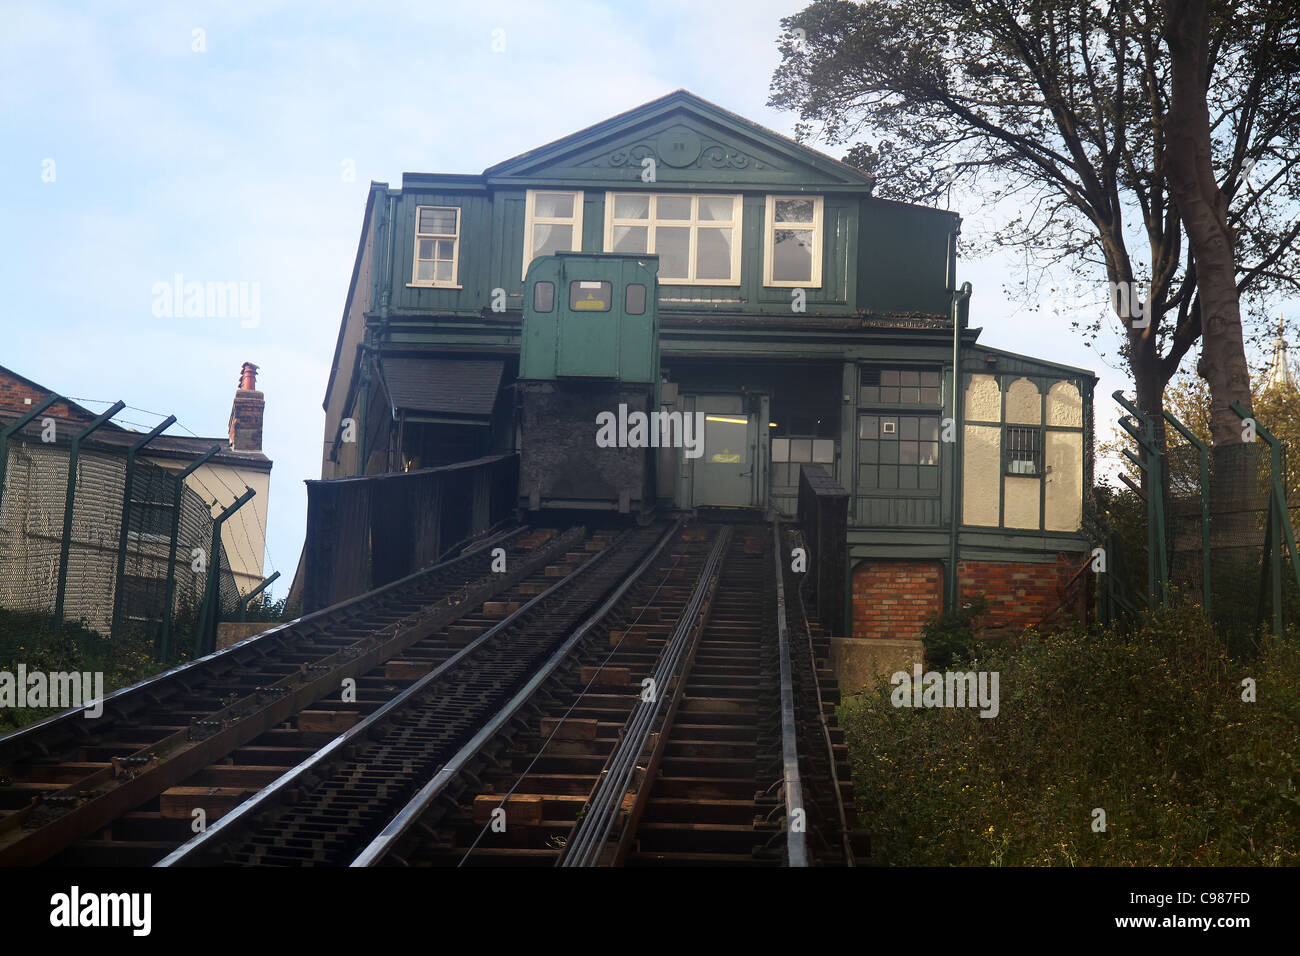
(13, 395)
(892, 599)
(1019, 593)
(246, 420)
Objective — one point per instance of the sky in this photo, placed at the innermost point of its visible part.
(234, 143)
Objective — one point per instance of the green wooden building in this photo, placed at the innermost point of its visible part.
(810, 321)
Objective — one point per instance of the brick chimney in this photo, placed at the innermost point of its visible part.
(246, 412)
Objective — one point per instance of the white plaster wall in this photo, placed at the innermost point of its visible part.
(980, 470)
(1021, 503)
(983, 399)
(1064, 405)
(1023, 403)
(1063, 509)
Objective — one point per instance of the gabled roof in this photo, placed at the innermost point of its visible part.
(80, 411)
(704, 134)
(112, 435)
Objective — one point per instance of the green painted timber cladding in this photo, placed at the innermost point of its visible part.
(904, 261)
(873, 258)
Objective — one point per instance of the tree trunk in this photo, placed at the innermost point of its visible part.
(1235, 500)
(1204, 211)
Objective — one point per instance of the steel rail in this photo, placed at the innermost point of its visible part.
(796, 843)
(196, 669)
(279, 792)
(589, 838)
(847, 844)
(164, 763)
(382, 845)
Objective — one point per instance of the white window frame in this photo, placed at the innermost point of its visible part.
(769, 242)
(652, 222)
(455, 253)
(532, 219)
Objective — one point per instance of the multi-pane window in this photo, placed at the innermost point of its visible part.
(697, 237)
(552, 223)
(437, 239)
(788, 454)
(1024, 450)
(898, 453)
(892, 386)
(792, 249)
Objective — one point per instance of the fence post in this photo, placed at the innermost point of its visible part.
(69, 497)
(164, 639)
(1203, 453)
(205, 635)
(243, 601)
(1279, 519)
(1157, 558)
(126, 517)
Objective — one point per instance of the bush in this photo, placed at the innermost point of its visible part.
(29, 638)
(951, 637)
(1151, 728)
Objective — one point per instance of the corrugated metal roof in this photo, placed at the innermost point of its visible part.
(460, 387)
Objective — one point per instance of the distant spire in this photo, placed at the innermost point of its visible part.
(1279, 371)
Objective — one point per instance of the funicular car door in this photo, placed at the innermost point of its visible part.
(591, 298)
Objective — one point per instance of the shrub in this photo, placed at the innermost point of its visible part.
(951, 637)
(1150, 727)
(29, 638)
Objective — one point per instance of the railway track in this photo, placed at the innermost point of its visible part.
(537, 769)
(651, 699)
(330, 806)
(123, 788)
(728, 760)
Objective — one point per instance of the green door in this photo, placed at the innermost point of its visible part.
(725, 474)
(588, 343)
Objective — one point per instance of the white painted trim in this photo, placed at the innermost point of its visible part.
(769, 242)
(416, 281)
(736, 225)
(532, 219)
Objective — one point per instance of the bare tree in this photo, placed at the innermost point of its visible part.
(1115, 130)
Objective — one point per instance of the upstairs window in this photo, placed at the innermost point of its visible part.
(899, 386)
(552, 223)
(437, 242)
(697, 238)
(1024, 450)
(792, 248)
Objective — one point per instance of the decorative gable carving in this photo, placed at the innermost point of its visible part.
(692, 142)
(680, 147)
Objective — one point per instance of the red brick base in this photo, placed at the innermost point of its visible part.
(1019, 594)
(894, 599)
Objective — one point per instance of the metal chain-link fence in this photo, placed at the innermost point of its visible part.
(32, 508)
